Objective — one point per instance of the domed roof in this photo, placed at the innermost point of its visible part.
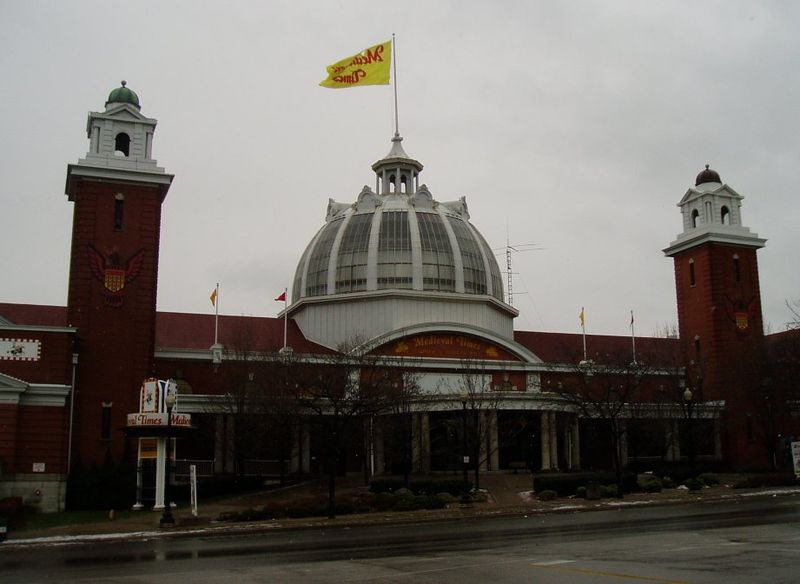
(123, 95)
(707, 176)
(398, 238)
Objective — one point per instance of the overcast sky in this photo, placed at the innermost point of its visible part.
(574, 126)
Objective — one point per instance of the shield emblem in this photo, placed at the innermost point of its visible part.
(114, 279)
(741, 321)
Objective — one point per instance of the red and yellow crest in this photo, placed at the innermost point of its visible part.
(109, 270)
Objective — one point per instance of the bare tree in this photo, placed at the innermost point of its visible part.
(339, 391)
(474, 391)
(606, 394)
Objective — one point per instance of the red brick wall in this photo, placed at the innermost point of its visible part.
(729, 364)
(115, 343)
(54, 364)
(42, 437)
(8, 437)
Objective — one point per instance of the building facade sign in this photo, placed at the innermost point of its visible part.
(446, 346)
(143, 420)
(20, 349)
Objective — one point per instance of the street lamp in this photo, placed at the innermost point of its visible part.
(464, 456)
(167, 518)
(688, 398)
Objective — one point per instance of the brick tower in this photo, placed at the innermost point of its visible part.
(117, 190)
(719, 310)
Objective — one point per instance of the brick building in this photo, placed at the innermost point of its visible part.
(397, 276)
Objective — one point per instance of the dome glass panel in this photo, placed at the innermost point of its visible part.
(317, 279)
(438, 268)
(474, 269)
(394, 251)
(351, 264)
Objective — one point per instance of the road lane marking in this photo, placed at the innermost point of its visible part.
(562, 568)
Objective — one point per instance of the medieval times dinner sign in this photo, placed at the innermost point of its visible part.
(152, 406)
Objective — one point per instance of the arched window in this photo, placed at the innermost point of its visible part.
(392, 184)
(691, 272)
(119, 203)
(122, 144)
(737, 270)
(725, 215)
(695, 217)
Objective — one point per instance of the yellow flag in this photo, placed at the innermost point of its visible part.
(581, 317)
(214, 297)
(369, 67)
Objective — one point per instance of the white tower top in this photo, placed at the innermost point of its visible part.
(712, 212)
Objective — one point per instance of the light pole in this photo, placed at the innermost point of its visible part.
(166, 518)
(688, 398)
(464, 456)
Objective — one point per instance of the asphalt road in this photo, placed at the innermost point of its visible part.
(732, 542)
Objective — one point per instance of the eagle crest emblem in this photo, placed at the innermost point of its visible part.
(109, 270)
(741, 314)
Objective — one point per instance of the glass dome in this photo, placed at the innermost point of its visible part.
(397, 238)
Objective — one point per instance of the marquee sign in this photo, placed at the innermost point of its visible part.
(20, 349)
(446, 346)
(143, 420)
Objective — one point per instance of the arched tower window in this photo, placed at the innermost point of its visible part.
(119, 202)
(392, 183)
(725, 215)
(122, 144)
(691, 273)
(737, 270)
(695, 217)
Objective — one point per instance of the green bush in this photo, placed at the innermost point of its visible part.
(580, 492)
(404, 493)
(693, 484)
(547, 495)
(709, 479)
(650, 483)
(607, 491)
(566, 484)
(446, 498)
(668, 483)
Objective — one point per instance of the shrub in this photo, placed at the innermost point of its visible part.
(693, 484)
(446, 498)
(479, 496)
(566, 484)
(547, 495)
(580, 492)
(668, 483)
(608, 491)
(403, 493)
(709, 479)
(650, 483)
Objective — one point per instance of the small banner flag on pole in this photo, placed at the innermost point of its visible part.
(214, 297)
(282, 297)
(369, 67)
(581, 317)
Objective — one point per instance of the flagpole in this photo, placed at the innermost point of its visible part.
(583, 331)
(216, 312)
(633, 339)
(285, 315)
(394, 66)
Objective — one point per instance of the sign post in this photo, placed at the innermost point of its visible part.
(796, 458)
(193, 488)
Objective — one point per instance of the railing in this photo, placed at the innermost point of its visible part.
(204, 468)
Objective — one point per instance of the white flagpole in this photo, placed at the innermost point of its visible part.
(633, 339)
(216, 312)
(394, 66)
(285, 315)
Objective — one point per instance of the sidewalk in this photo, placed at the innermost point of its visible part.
(509, 494)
